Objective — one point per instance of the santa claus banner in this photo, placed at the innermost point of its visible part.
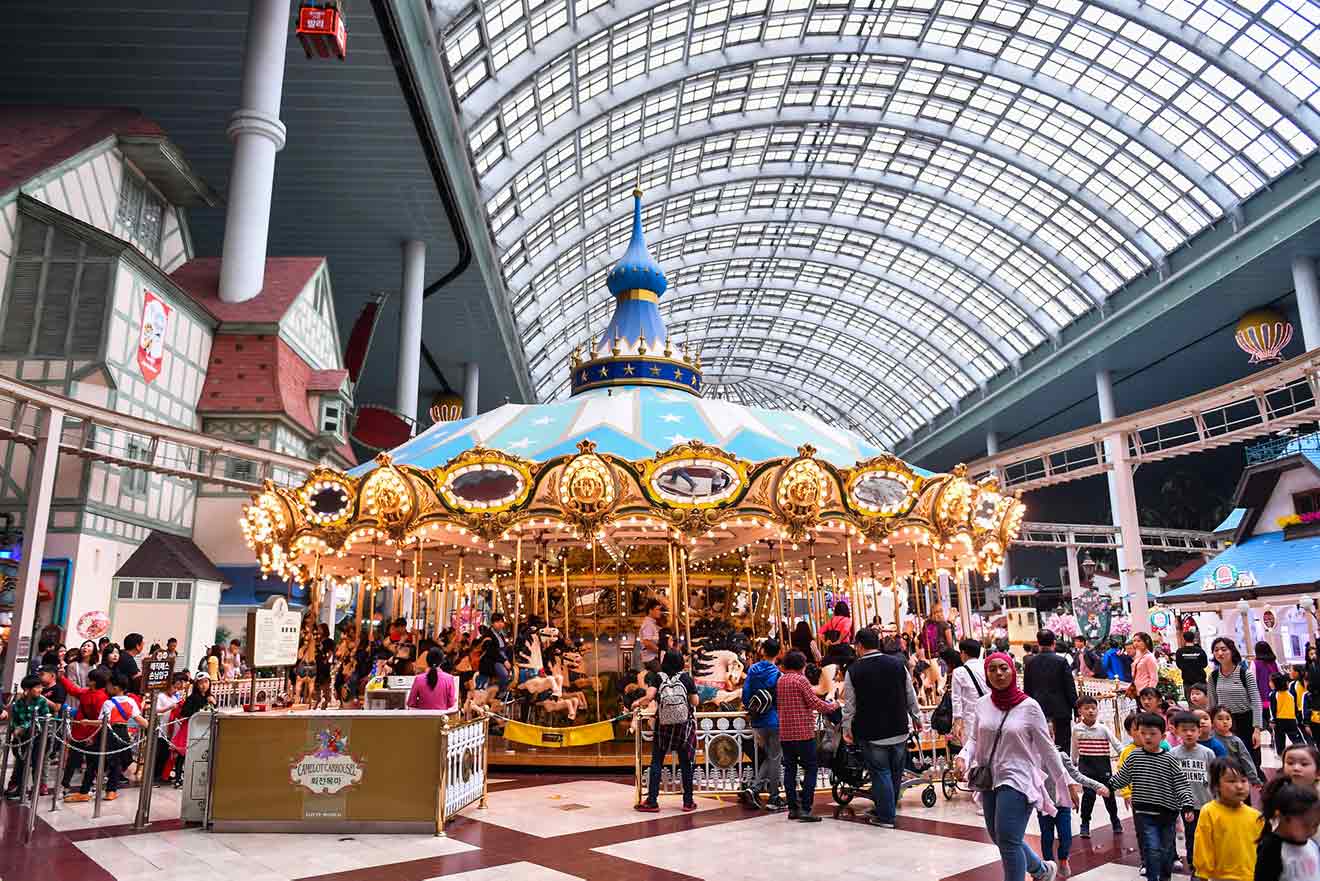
(151, 342)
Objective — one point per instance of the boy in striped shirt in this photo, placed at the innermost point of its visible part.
(1159, 794)
(1092, 746)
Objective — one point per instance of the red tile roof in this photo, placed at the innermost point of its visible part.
(285, 279)
(1182, 570)
(260, 374)
(35, 137)
(326, 380)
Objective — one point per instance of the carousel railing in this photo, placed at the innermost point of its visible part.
(230, 693)
(464, 745)
(1114, 704)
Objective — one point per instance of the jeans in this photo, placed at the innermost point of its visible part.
(685, 759)
(1098, 768)
(1062, 822)
(1157, 837)
(1006, 815)
(799, 753)
(886, 766)
(771, 769)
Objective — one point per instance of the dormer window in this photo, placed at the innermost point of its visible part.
(332, 417)
(140, 214)
(1306, 502)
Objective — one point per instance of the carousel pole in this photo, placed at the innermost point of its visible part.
(785, 597)
(673, 582)
(751, 597)
(875, 594)
(852, 587)
(964, 598)
(568, 604)
(893, 576)
(517, 593)
(687, 602)
(460, 587)
(934, 581)
(595, 626)
(914, 594)
(815, 590)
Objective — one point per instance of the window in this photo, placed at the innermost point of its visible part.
(135, 479)
(140, 214)
(241, 469)
(183, 590)
(165, 590)
(125, 590)
(332, 417)
(1306, 502)
(144, 589)
(57, 298)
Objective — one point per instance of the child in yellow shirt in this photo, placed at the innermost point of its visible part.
(1228, 828)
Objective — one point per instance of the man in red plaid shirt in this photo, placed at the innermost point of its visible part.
(798, 704)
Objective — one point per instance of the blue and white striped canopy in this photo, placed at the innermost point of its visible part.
(634, 423)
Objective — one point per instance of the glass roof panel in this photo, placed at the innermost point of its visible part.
(940, 185)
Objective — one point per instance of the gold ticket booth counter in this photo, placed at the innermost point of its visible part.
(351, 771)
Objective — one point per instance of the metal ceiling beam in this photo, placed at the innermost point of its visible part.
(419, 51)
(776, 393)
(623, 161)
(1293, 207)
(680, 313)
(479, 103)
(969, 322)
(1242, 70)
(882, 181)
(961, 263)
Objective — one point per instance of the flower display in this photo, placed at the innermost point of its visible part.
(1298, 519)
(1064, 625)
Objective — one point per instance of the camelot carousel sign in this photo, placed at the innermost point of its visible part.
(329, 768)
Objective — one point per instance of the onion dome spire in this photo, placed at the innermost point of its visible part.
(634, 348)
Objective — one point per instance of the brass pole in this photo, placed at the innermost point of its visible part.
(914, 592)
(568, 604)
(893, 575)
(517, 599)
(815, 589)
(858, 613)
(934, 580)
(875, 594)
(595, 626)
(752, 611)
(687, 603)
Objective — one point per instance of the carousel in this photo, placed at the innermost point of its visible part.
(568, 516)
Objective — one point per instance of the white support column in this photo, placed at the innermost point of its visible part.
(1123, 504)
(992, 449)
(40, 489)
(410, 328)
(1307, 285)
(1074, 571)
(258, 134)
(471, 383)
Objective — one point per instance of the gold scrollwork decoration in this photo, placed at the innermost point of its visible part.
(482, 480)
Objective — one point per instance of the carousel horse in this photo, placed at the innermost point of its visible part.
(719, 676)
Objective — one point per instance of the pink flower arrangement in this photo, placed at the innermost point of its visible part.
(1064, 626)
(1121, 625)
(1297, 519)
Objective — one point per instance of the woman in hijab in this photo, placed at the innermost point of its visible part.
(1012, 739)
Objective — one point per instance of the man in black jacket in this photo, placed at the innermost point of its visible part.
(879, 710)
(1049, 681)
(1192, 661)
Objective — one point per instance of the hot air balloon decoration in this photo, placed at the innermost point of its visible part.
(1263, 334)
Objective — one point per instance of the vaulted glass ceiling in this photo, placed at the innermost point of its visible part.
(867, 209)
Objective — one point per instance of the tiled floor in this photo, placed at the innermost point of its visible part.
(553, 827)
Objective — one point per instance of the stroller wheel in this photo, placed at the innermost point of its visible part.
(843, 793)
(928, 796)
(949, 785)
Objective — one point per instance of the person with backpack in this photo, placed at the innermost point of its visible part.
(675, 696)
(758, 697)
(1233, 686)
(879, 712)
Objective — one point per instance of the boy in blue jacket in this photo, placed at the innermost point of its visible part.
(763, 676)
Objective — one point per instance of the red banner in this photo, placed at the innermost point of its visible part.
(151, 341)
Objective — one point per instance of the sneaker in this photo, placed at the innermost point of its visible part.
(13, 794)
(77, 797)
(748, 797)
(689, 806)
(776, 806)
(884, 824)
(1117, 827)
(1142, 871)
(1086, 831)
(1065, 870)
(809, 818)
(111, 795)
(45, 790)
(1049, 870)
(794, 814)
(647, 808)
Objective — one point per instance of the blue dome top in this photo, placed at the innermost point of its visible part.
(637, 269)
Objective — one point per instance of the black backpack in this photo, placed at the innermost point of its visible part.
(941, 720)
(760, 702)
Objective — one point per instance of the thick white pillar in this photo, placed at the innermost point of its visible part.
(40, 489)
(471, 383)
(1307, 285)
(1123, 504)
(1074, 571)
(410, 328)
(258, 134)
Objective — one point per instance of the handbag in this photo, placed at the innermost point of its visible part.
(981, 778)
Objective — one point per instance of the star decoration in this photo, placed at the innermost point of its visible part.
(604, 373)
(628, 369)
(584, 376)
(521, 444)
(675, 439)
(678, 374)
(655, 371)
(544, 420)
(670, 417)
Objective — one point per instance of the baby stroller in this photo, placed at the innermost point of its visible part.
(851, 775)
